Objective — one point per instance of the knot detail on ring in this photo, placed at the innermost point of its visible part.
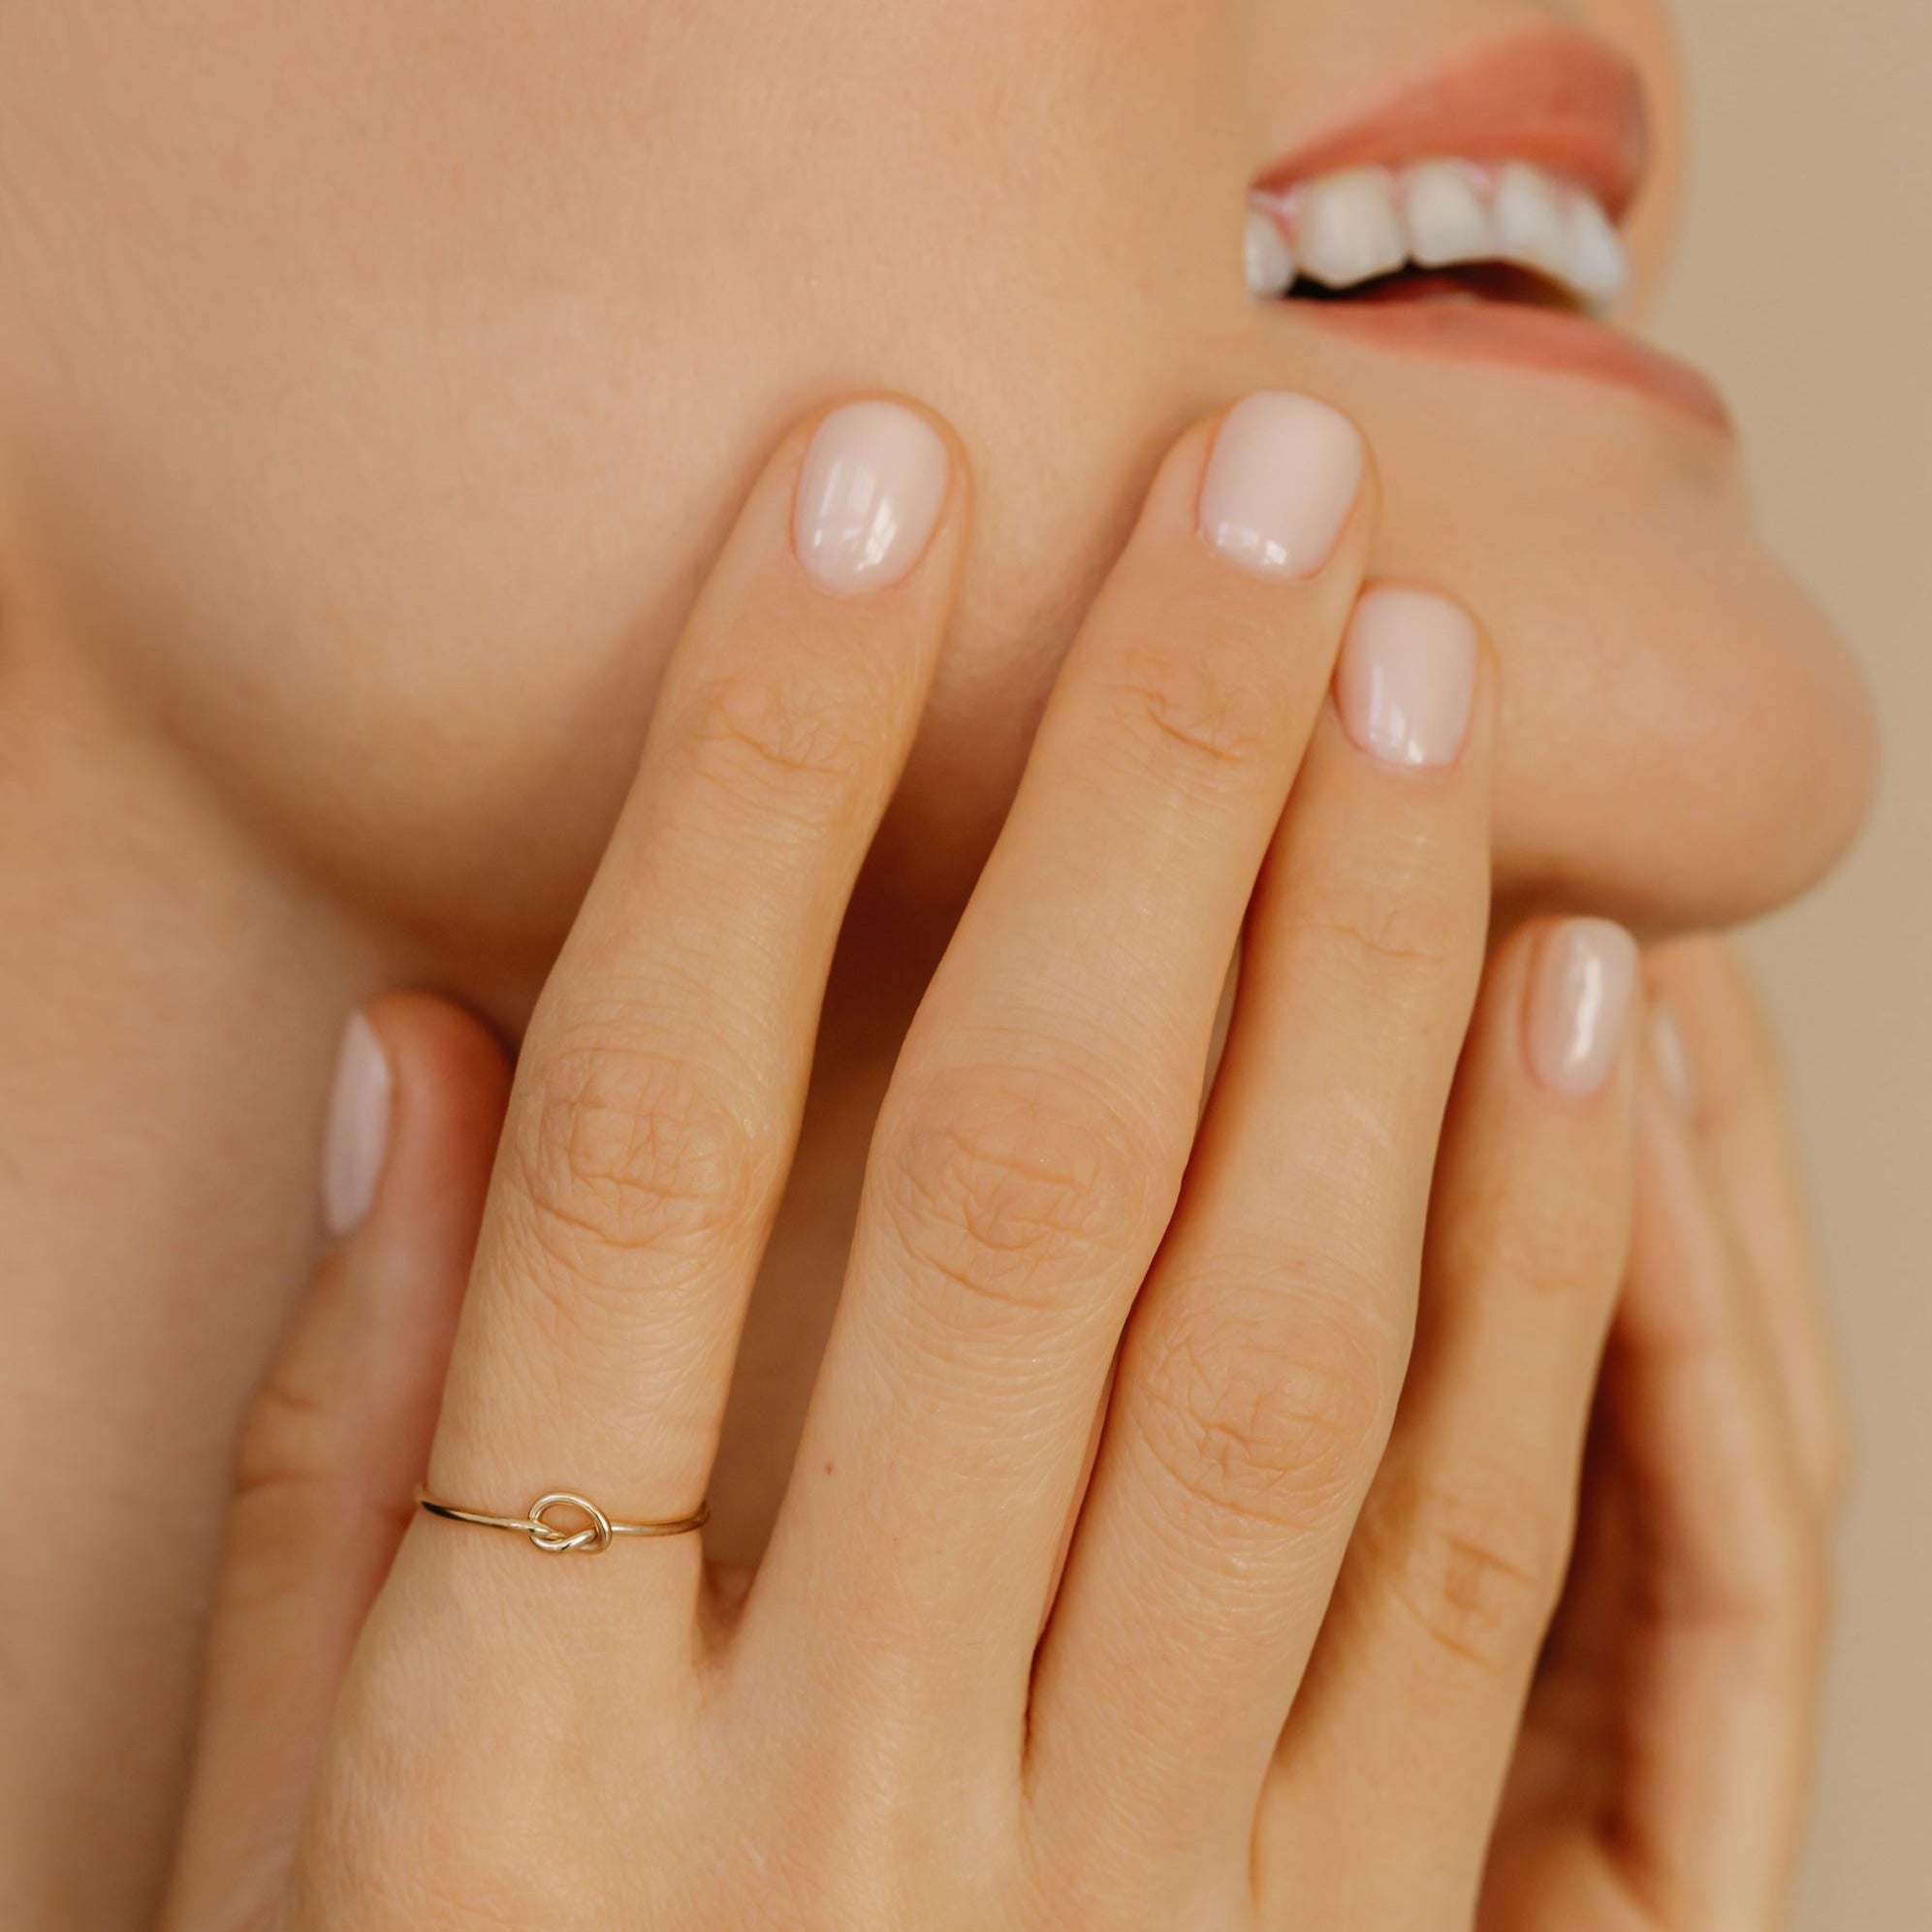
(593, 1536)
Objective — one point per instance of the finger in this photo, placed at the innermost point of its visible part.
(1030, 1149)
(1725, 1056)
(1717, 1683)
(658, 1094)
(1410, 1710)
(1263, 1361)
(336, 1439)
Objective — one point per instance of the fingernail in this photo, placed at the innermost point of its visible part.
(1284, 474)
(1670, 1055)
(1405, 684)
(357, 1133)
(873, 483)
(1585, 981)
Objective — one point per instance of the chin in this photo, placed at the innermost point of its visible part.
(1682, 763)
(1685, 743)
(1689, 790)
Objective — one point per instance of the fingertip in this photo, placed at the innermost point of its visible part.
(452, 1072)
(1284, 479)
(1557, 1044)
(355, 1148)
(876, 481)
(1581, 1007)
(1414, 681)
(417, 1106)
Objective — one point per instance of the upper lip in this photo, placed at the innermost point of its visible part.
(1553, 96)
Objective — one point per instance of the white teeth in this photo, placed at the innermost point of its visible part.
(1271, 266)
(1348, 229)
(1447, 221)
(1344, 229)
(1532, 224)
(1599, 270)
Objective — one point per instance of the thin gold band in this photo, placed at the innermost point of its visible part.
(595, 1535)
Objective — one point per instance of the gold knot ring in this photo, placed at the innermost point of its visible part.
(596, 1534)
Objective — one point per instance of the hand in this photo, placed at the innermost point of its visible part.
(1662, 1773)
(1111, 1588)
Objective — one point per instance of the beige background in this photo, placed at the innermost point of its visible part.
(1806, 282)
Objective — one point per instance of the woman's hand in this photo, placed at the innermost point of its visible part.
(1113, 1586)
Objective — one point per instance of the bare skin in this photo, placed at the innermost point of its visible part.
(374, 400)
(1256, 1653)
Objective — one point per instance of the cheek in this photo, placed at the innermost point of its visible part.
(382, 461)
(415, 649)
(387, 480)
(406, 595)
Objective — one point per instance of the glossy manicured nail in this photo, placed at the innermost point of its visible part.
(1585, 981)
(358, 1134)
(873, 483)
(1284, 474)
(1671, 1056)
(1405, 684)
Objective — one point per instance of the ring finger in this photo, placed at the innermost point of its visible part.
(1261, 1367)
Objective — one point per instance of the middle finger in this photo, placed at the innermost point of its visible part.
(1027, 1153)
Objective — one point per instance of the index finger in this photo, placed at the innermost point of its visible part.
(657, 1107)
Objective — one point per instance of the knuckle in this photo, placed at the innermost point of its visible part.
(1267, 1410)
(779, 742)
(1557, 1245)
(1394, 918)
(299, 1460)
(626, 1148)
(1202, 715)
(1481, 1564)
(286, 1439)
(1766, 1593)
(1005, 1185)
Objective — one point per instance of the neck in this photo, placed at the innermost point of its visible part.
(168, 1009)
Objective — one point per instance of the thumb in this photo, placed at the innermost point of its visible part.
(336, 1437)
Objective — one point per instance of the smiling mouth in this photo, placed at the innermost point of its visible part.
(1476, 214)
(1514, 231)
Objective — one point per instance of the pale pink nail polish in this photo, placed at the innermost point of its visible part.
(1284, 475)
(357, 1133)
(1580, 997)
(870, 496)
(1405, 684)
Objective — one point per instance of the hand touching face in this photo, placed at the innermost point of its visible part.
(376, 379)
(1187, 1490)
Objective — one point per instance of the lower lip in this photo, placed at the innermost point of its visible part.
(1452, 324)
